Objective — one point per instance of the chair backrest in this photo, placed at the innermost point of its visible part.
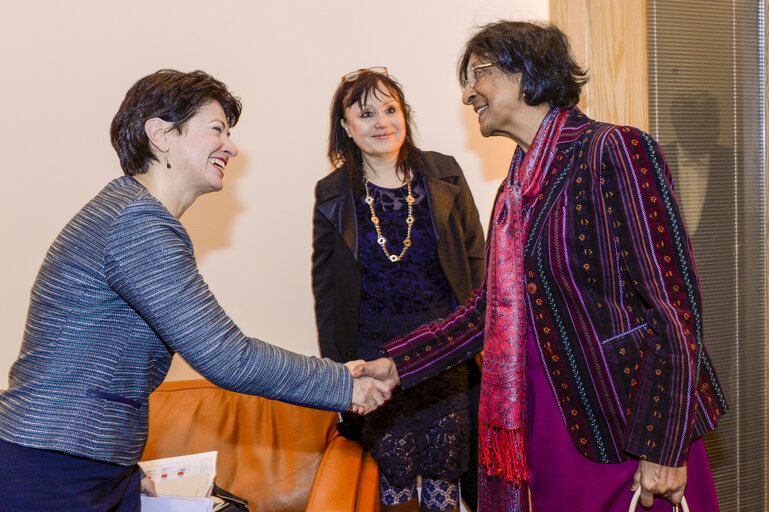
(269, 451)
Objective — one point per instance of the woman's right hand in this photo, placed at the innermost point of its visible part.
(658, 480)
(368, 394)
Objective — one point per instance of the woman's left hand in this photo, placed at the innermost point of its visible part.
(657, 480)
(147, 486)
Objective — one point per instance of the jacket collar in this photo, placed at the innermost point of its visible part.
(441, 194)
(337, 203)
(573, 130)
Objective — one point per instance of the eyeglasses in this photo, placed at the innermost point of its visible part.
(476, 72)
(351, 77)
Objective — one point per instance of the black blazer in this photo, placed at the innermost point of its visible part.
(336, 279)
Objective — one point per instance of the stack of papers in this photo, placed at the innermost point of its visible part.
(183, 484)
(176, 504)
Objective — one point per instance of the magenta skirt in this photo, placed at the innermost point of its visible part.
(563, 479)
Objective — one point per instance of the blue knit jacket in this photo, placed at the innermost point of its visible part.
(118, 293)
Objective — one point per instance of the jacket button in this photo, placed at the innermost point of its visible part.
(353, 309)
(531, 288)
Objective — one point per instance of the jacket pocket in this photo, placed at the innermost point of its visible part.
(111, 397)
(622, 356)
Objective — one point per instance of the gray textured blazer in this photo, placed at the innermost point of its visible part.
(118, 293)
(336, 278)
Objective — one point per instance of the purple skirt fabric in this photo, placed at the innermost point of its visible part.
(563, 479)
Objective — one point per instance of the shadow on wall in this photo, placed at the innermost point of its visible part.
(705, 182)
(702, 171)
(210, 219)
(494, 153)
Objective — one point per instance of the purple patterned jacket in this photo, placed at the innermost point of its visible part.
(614, 303)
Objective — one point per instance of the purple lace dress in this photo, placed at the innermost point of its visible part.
(425, 430)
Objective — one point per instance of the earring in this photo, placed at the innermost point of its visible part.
(168, 164)
(525, 95)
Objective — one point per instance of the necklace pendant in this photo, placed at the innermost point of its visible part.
(381, 240)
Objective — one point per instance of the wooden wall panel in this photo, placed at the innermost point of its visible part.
(571, 17)
(609, 37)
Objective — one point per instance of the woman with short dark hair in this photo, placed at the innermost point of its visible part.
(397, 242)
(595, 379)
(117, 295)
(169, 95)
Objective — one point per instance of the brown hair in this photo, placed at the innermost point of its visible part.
(342, 149)
(172, 96)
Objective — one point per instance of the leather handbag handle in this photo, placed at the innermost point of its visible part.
(637, 497)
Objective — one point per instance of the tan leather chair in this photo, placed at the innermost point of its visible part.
(279, 457)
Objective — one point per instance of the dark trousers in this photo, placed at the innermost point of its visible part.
(40, 480)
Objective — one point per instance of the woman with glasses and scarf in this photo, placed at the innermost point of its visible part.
(397, 243)
(595, 377)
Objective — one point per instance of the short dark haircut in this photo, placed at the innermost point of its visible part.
(172, 96)
(540, 53)
(342, 149)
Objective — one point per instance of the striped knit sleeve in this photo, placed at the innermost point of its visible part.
(150, 264)
(655, 252)
(438, 346)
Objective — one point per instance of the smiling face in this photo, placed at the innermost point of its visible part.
(377, 125)
(202, 149)
(496, 98)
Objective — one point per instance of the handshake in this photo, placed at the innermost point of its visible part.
(373, 384)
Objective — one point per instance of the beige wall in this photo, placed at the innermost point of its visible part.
(67, 65)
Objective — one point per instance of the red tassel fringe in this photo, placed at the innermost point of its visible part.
(503, 452)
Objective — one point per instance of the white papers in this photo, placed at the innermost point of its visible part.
(198, 486)
(189, 475)
(176, 504)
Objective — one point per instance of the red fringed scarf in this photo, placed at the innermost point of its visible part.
(503, 417)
